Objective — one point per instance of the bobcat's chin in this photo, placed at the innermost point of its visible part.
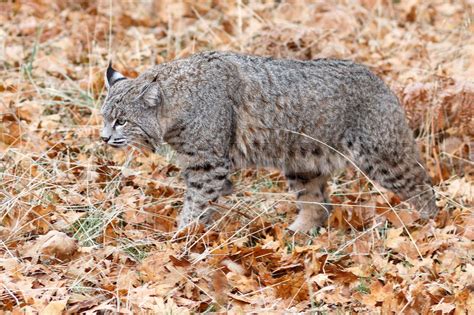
(118, 145)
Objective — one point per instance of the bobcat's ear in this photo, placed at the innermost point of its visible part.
(112, 76)
(151, 94)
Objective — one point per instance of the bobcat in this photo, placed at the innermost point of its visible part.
(224, 110)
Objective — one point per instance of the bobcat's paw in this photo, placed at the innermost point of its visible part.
(309, 218)
(427, 214)
(304, 226)
(187, 230)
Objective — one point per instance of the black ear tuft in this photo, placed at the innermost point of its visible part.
(112, 76)
(110, 71)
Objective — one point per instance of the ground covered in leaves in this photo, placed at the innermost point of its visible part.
(86, 228)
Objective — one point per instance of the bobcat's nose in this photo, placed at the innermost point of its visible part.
(106, 139)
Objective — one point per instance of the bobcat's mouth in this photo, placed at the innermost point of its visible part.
(140, 142)
(117, 143)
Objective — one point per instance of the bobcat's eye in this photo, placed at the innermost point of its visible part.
(120, 122)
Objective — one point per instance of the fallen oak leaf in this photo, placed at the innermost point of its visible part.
(321, 279)
(57, 245)
(292, 286)
(179, 262)
(393, 238)
(337, 274)
(282, 270)
(29, 111)
(220, 286)
(338, 218)
(378, 293)
(233, 266)
(445, 308)
(82, 305)
(52, 247)
(407, 217)
(54, 308)
(242, 283)
(240, 298)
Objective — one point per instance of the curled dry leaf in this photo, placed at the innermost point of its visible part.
(242, 283)
(220, 286)
(394, 240)
(56, 245)
(54, 308)
(444, 308)
(233, 266)
(406, 217)
(462, 188)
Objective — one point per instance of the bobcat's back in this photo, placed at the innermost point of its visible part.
(284, 105)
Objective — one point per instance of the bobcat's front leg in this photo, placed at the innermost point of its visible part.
(205, 181)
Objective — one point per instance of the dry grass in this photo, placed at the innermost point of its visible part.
(59, 184)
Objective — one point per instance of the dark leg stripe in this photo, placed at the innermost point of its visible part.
(369, 169)
(201, 167)
(221, 177)
(189, 153)
(195, 185)
(317, 151)
(305, 176)
(396, 178)
(301, 193)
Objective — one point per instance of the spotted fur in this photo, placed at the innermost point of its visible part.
(222, 110)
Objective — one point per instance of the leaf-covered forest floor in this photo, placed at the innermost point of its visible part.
(85, 228)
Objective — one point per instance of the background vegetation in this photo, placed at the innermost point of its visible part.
(87, 228)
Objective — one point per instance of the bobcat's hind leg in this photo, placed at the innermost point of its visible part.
(312, 201)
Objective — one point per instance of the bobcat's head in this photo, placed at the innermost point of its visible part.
(130, 111)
